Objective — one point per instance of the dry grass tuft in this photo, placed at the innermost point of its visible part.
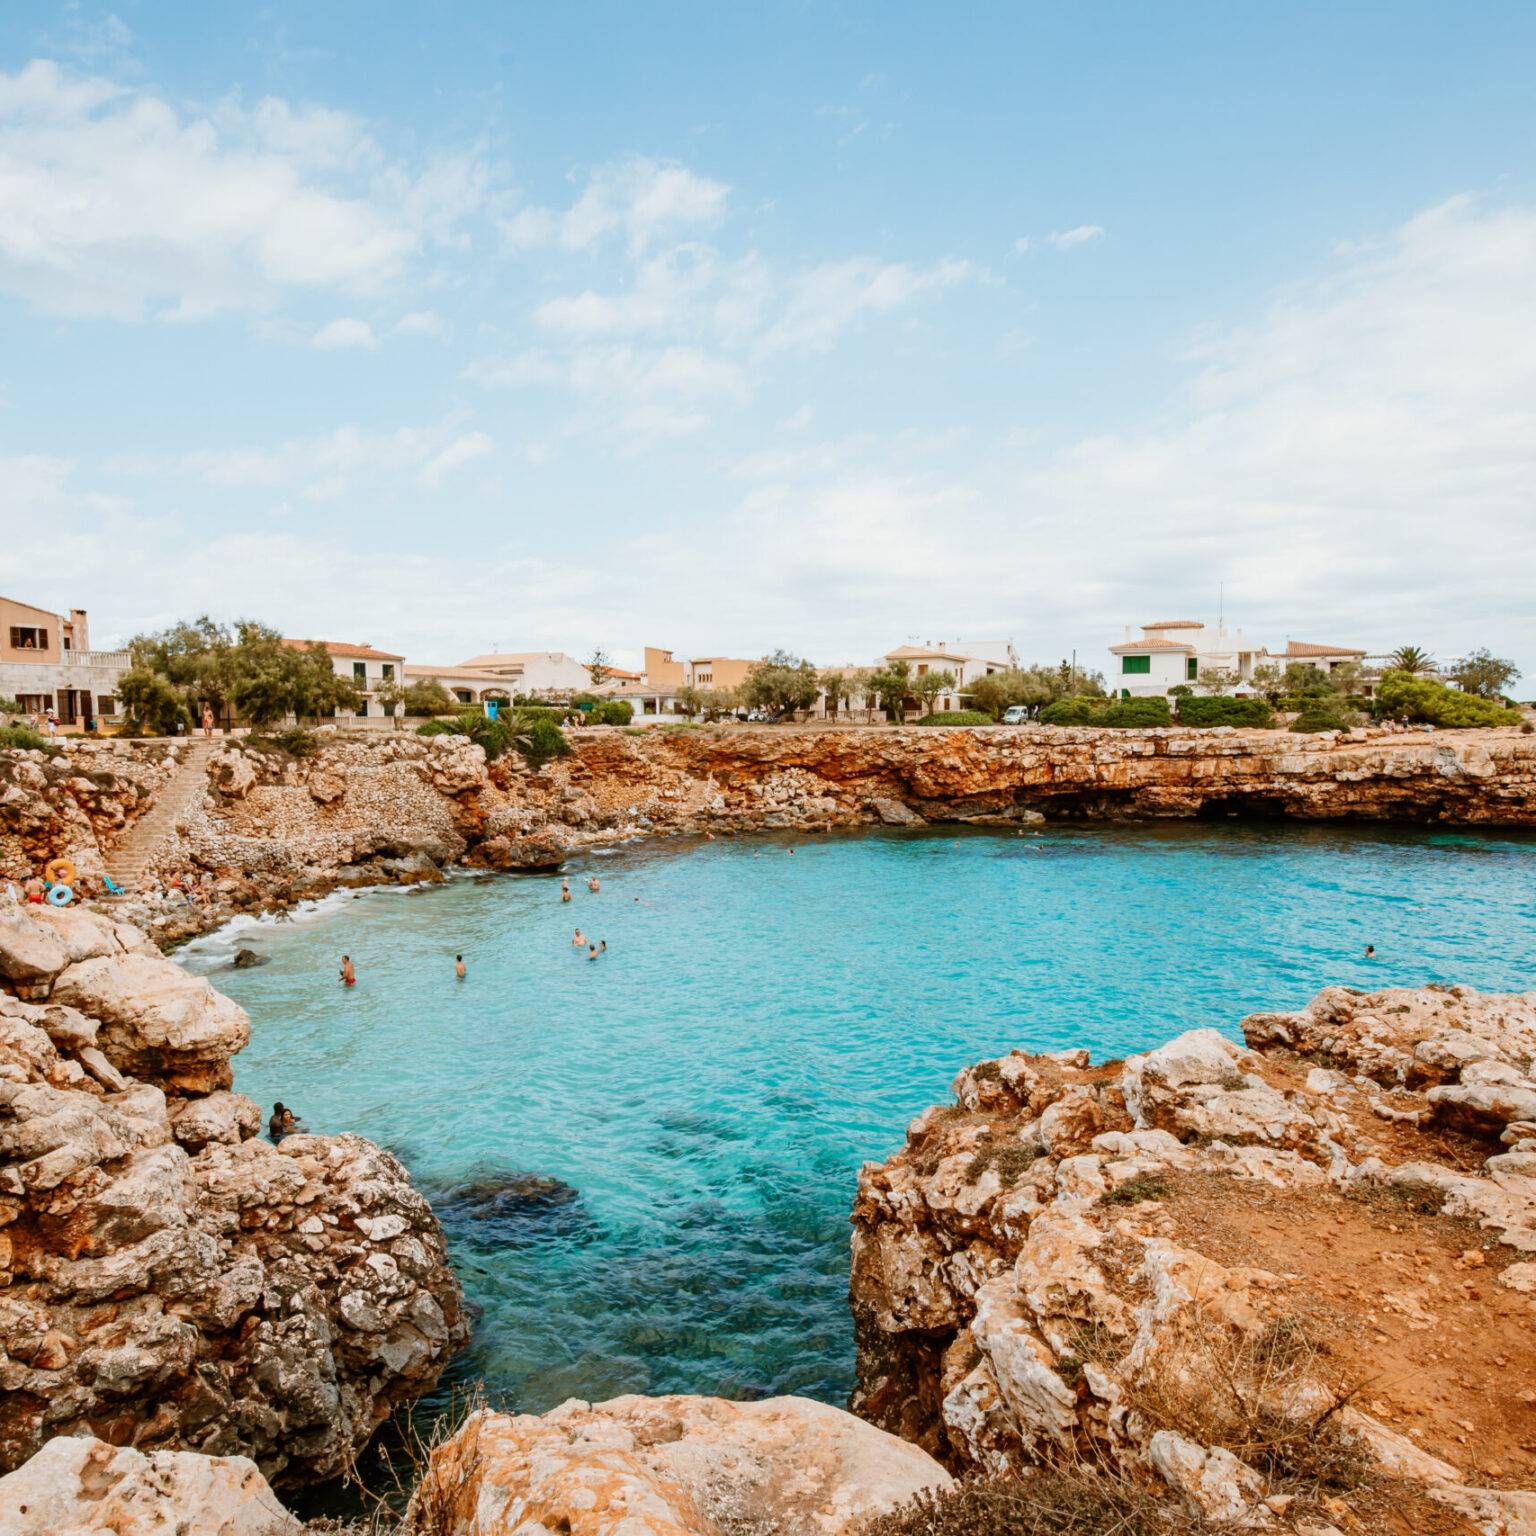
(1078, 1499)
(1261, 1397)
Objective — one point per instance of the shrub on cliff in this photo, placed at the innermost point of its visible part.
(21, 738)
(1119, 713)
(1217, 710)
(957, 717)
(1405, 697)
(542, 742)
(1324, 714)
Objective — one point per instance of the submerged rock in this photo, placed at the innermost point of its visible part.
(81, 1487)
(669, 1466)
(169, 1277)
(246, 959)
(513, 1210)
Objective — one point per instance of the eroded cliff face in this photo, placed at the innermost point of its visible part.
(167, 1279)
(271, 828)
(1292, 1278)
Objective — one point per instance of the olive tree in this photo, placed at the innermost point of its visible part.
(929, 685)
(780, 684)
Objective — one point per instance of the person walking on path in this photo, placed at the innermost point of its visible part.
(208, 721)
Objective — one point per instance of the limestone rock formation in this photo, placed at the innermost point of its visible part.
(669, 1466)
(165, 1277)
(1248, 1272)
(81, 1487)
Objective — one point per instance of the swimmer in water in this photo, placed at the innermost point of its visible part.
(602, 946)
(578, 938)
(458, 967)
(592, 952)
(594, 884)
(1370, 951)
(565, 890)
(348, 974)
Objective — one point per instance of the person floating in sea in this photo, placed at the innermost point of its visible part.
(458, 967)
(348, 972)
(283, 1122)
(565, 890)
(1370, 951)
(594, 884)
(592, 952)
(578, 938)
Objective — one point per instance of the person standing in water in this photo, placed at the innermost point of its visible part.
(458, 967)
(565, 890)
(283, 1122)
(1370, 951)
(578, 938)
(348, 974)
(594, 884)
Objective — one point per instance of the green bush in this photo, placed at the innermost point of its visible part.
(298, 743)
(1405, 697)
(1120, 713)
(1323, 714)
(541, 742)
(21, 738)
(1218, 710)
(527, 715)
(612, 712)
(957, 717)
(439, 728)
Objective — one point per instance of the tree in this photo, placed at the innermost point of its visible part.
(1411, 659)
(1217, 680)
(598, 667)
(1269, 681)
(428, 697)
(841, 688)
(151, 702)
(929, 685)
(709, 702)
(780, 684)
(890, 686)
(1483, 674)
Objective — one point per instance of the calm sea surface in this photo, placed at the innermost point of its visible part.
(765, 1020)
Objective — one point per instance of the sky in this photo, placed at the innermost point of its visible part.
(827, 326)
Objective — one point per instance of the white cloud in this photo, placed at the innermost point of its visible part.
(421, 322)
(641, 198)
(342, 333)
(1022, 245)
(826, 300)
(115, 203)
(328, 466)
(1083, 234)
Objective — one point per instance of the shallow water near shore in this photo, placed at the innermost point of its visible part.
(770, 1013)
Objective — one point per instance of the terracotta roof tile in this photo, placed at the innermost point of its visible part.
(341, 648)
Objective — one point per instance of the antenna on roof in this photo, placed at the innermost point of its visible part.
(1221, 605)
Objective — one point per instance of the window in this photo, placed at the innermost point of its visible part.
(34, 703)
(360, 673)
(1192, 668)
(1135, 663)
(27, 637)
(387, 671)
(105, 704)
(362, 706)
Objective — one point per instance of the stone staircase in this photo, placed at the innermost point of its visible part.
(132, 860)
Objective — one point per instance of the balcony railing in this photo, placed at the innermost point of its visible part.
(95, 659)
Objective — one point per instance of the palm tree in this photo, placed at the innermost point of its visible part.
(1411, 659)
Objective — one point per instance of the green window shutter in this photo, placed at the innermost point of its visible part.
(1193, 668)
(1135, 663)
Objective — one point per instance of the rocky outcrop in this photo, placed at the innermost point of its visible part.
(166, 1278)
(79, 1487)
(669, 1466)
(1296, 1269)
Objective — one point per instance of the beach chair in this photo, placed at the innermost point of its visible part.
(113, 888)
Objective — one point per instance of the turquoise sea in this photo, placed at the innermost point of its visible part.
(771, 1012)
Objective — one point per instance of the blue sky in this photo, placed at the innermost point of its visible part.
(724, 327)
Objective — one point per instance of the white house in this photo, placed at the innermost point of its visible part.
(362, 666)
(1177, 651)
(540, 674)
(966, 660)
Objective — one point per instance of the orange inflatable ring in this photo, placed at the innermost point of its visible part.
(61, 871)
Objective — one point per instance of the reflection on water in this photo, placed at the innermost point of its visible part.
(700, 1098)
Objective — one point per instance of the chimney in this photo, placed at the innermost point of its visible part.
(78, 630)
